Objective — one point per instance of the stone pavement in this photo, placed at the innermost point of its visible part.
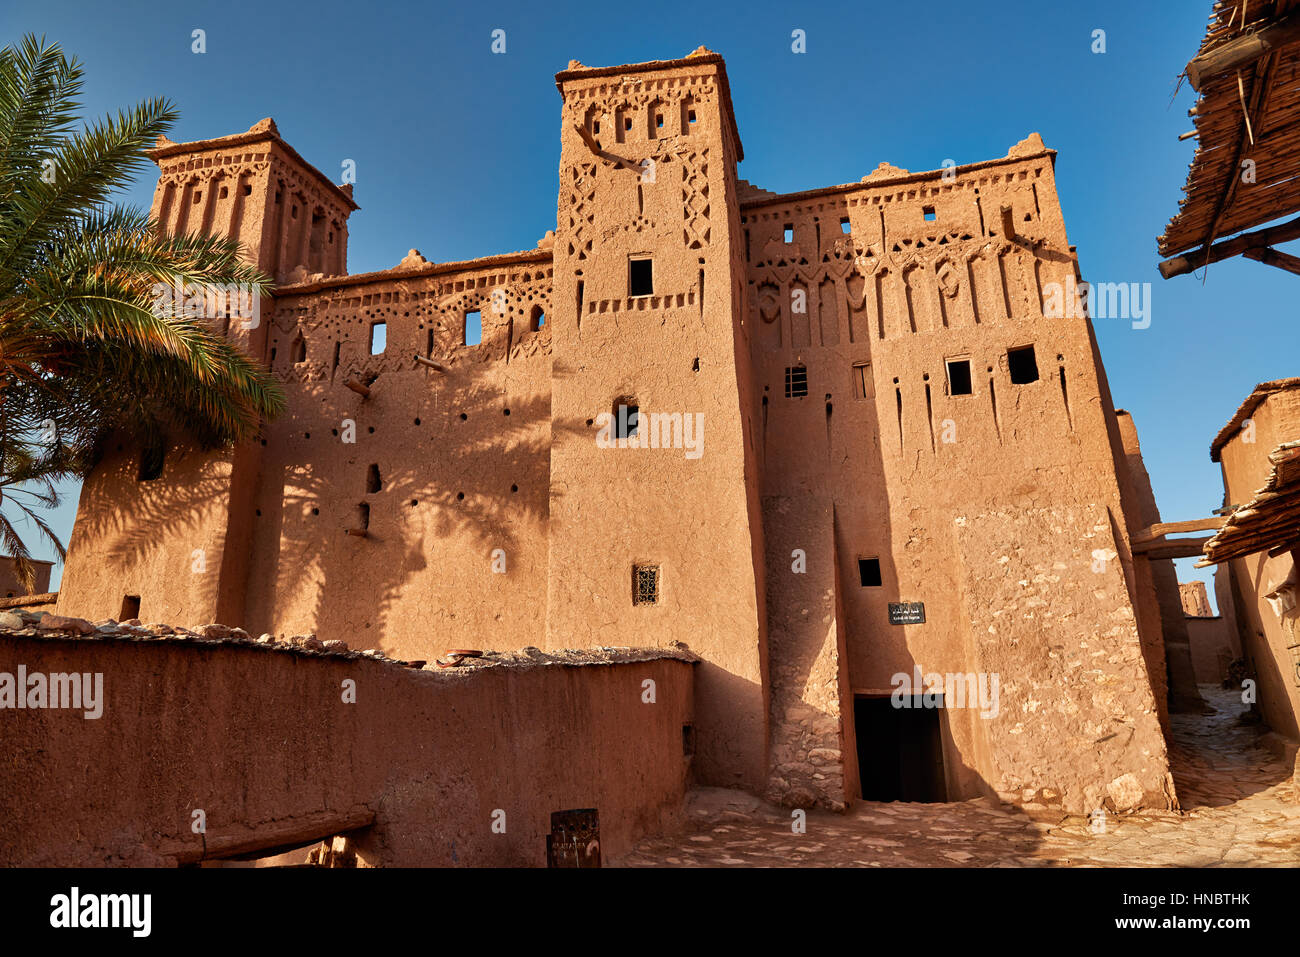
(1239, 809)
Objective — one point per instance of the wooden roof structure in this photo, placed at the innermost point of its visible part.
(1248, 75)
(1269, 522)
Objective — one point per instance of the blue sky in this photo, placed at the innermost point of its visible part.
(456, 148)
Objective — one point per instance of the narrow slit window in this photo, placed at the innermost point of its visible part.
(1022, 365)
(959, 377)
(645, 584)
(787, 233)
(473, 328)
(796, 382)
(536, 319)
(378, 337)
(373, 482)
(641, 277)
(869, 572)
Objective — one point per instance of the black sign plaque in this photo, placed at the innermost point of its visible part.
(907, 612)
(574, 840)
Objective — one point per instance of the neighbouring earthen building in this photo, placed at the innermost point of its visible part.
(853, 450)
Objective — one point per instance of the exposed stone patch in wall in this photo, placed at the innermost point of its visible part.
(1077, 724)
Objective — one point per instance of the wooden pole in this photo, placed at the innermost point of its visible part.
(1243, 51)
(358, 388)
(1181, 265)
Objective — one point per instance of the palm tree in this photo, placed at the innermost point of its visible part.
(84, 350)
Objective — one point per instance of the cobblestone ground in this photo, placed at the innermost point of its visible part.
(1239, 809)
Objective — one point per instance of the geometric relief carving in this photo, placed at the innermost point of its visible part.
(581, 196)
(695, 199)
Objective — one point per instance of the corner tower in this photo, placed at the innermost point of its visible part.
(660, 540)
(165, 535)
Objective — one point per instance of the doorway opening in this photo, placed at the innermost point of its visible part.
(900, 750)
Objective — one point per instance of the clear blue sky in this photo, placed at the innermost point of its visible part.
(456, 148)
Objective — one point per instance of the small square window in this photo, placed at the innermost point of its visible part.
(1022, 365)
(641, 277)
(796, 382)
(473, 328)
(928, 212)
(645, 584)
(845, 228)
(959, 378)
(869, 572)
(378, 338)
(787, 232)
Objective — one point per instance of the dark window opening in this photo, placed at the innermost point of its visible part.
(690, 116)
(626, 419)
(225, 191)
(151, 461)
(645, 584)
(900, 750)
(1022, 365)
(928, 212)
(130, 608)
(473, 328)
(537, 319)
(299, 349)
(796, 382)
(363, 516)
(248, 189)
(373, 481)
(641, 277)
(688, 740)
(869, 572)
(959, 378)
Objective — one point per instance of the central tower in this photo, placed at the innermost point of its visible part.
(660, 540)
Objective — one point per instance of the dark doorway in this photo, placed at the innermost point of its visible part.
(900, 750)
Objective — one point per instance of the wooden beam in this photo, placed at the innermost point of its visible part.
(430, 364)
(1152, 532)
(1281, 233)
(1243, 51)
(242, 840)
(358, 388)
(1172, 548)
(1271, 257)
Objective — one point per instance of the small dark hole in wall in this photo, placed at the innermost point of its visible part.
(688, 740)
(371, 429)
(258, 512)
(505, 411)
(417, 421)
(414, 502)
(695, 366)
(514, 488)
(1022, 365)
(373, 481)
(869, 572)
(463, 416)
(460, 496)
(315, 511)
(363, 515)
(130, 608)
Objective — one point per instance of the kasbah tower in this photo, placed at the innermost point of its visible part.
(882, 411)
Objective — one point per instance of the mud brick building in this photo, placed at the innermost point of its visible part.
(887, 417)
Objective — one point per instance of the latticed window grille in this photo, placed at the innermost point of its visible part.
(645, 584)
